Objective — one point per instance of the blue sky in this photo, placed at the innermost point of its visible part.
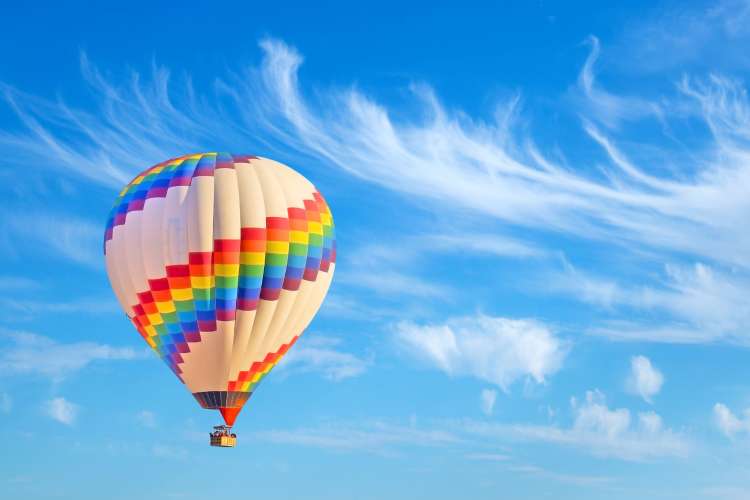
(541, 212)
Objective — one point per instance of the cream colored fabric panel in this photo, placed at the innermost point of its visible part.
(175, 226)
(113, 272)
(201, 369)
(131, 248)
(226, 227)
(296, 190)
(252, 215)
(275, 206)
(152, 238)
(200, 209)
(120, 263)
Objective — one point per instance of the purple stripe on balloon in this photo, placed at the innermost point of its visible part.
(160, 192)
(270, 293)
(203, 172)
(207, 325)
(136, 204)
(193, 337)
(180, 181)
(247, 304)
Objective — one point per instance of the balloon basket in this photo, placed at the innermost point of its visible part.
(223, 437)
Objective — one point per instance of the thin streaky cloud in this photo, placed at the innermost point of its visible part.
(22, 352)
(605, 107)
(487, 168)
(600, 431)
(319, 354)
(451, 158)
(699, 303)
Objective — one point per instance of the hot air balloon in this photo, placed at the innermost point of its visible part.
(220, 262)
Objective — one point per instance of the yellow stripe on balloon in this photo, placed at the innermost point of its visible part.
(165, 307)
(253, 258)
(182, 294)
(202, 281)
(226, 269)
(155, 319)
(277, 247)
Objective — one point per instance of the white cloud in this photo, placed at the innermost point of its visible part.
(701, 303)
(55, 234)
(168, 451)
(454, 162)
(452, 159)
(22, 355)
(579, 480)
(18, 283)
(610, 109)
(724, 492)
(343, 305)
(62, 410)
(102, 146)
(6, 403)
(401, 269)
(318, 354)
(596, 429)
(644, 379)
(389, 271)
(699, 34)
(374, 436)
(146, 418)
(392, 283)
(601, 431)
(85, 305)
(730, 424)
(493, 245)
(487, 400)
(487, 457)
(496, 350)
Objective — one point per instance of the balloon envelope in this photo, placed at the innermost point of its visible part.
(220, 261)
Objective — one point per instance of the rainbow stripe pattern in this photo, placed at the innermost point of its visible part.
(175, 310)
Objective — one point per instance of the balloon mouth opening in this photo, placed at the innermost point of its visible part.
(229, 403)
(229, 414)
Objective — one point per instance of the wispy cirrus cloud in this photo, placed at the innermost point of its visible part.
(576, 479)
(133, 124)
(85, 305)
(18, 283)
(606, 107)
(319, 354)
(699, 303)
(376, 436)
(452, 159)
(698, 34)
(600, 431)
(487, 400)
(485, 168)
(31, 354)
(595, 429)
(53, 235)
